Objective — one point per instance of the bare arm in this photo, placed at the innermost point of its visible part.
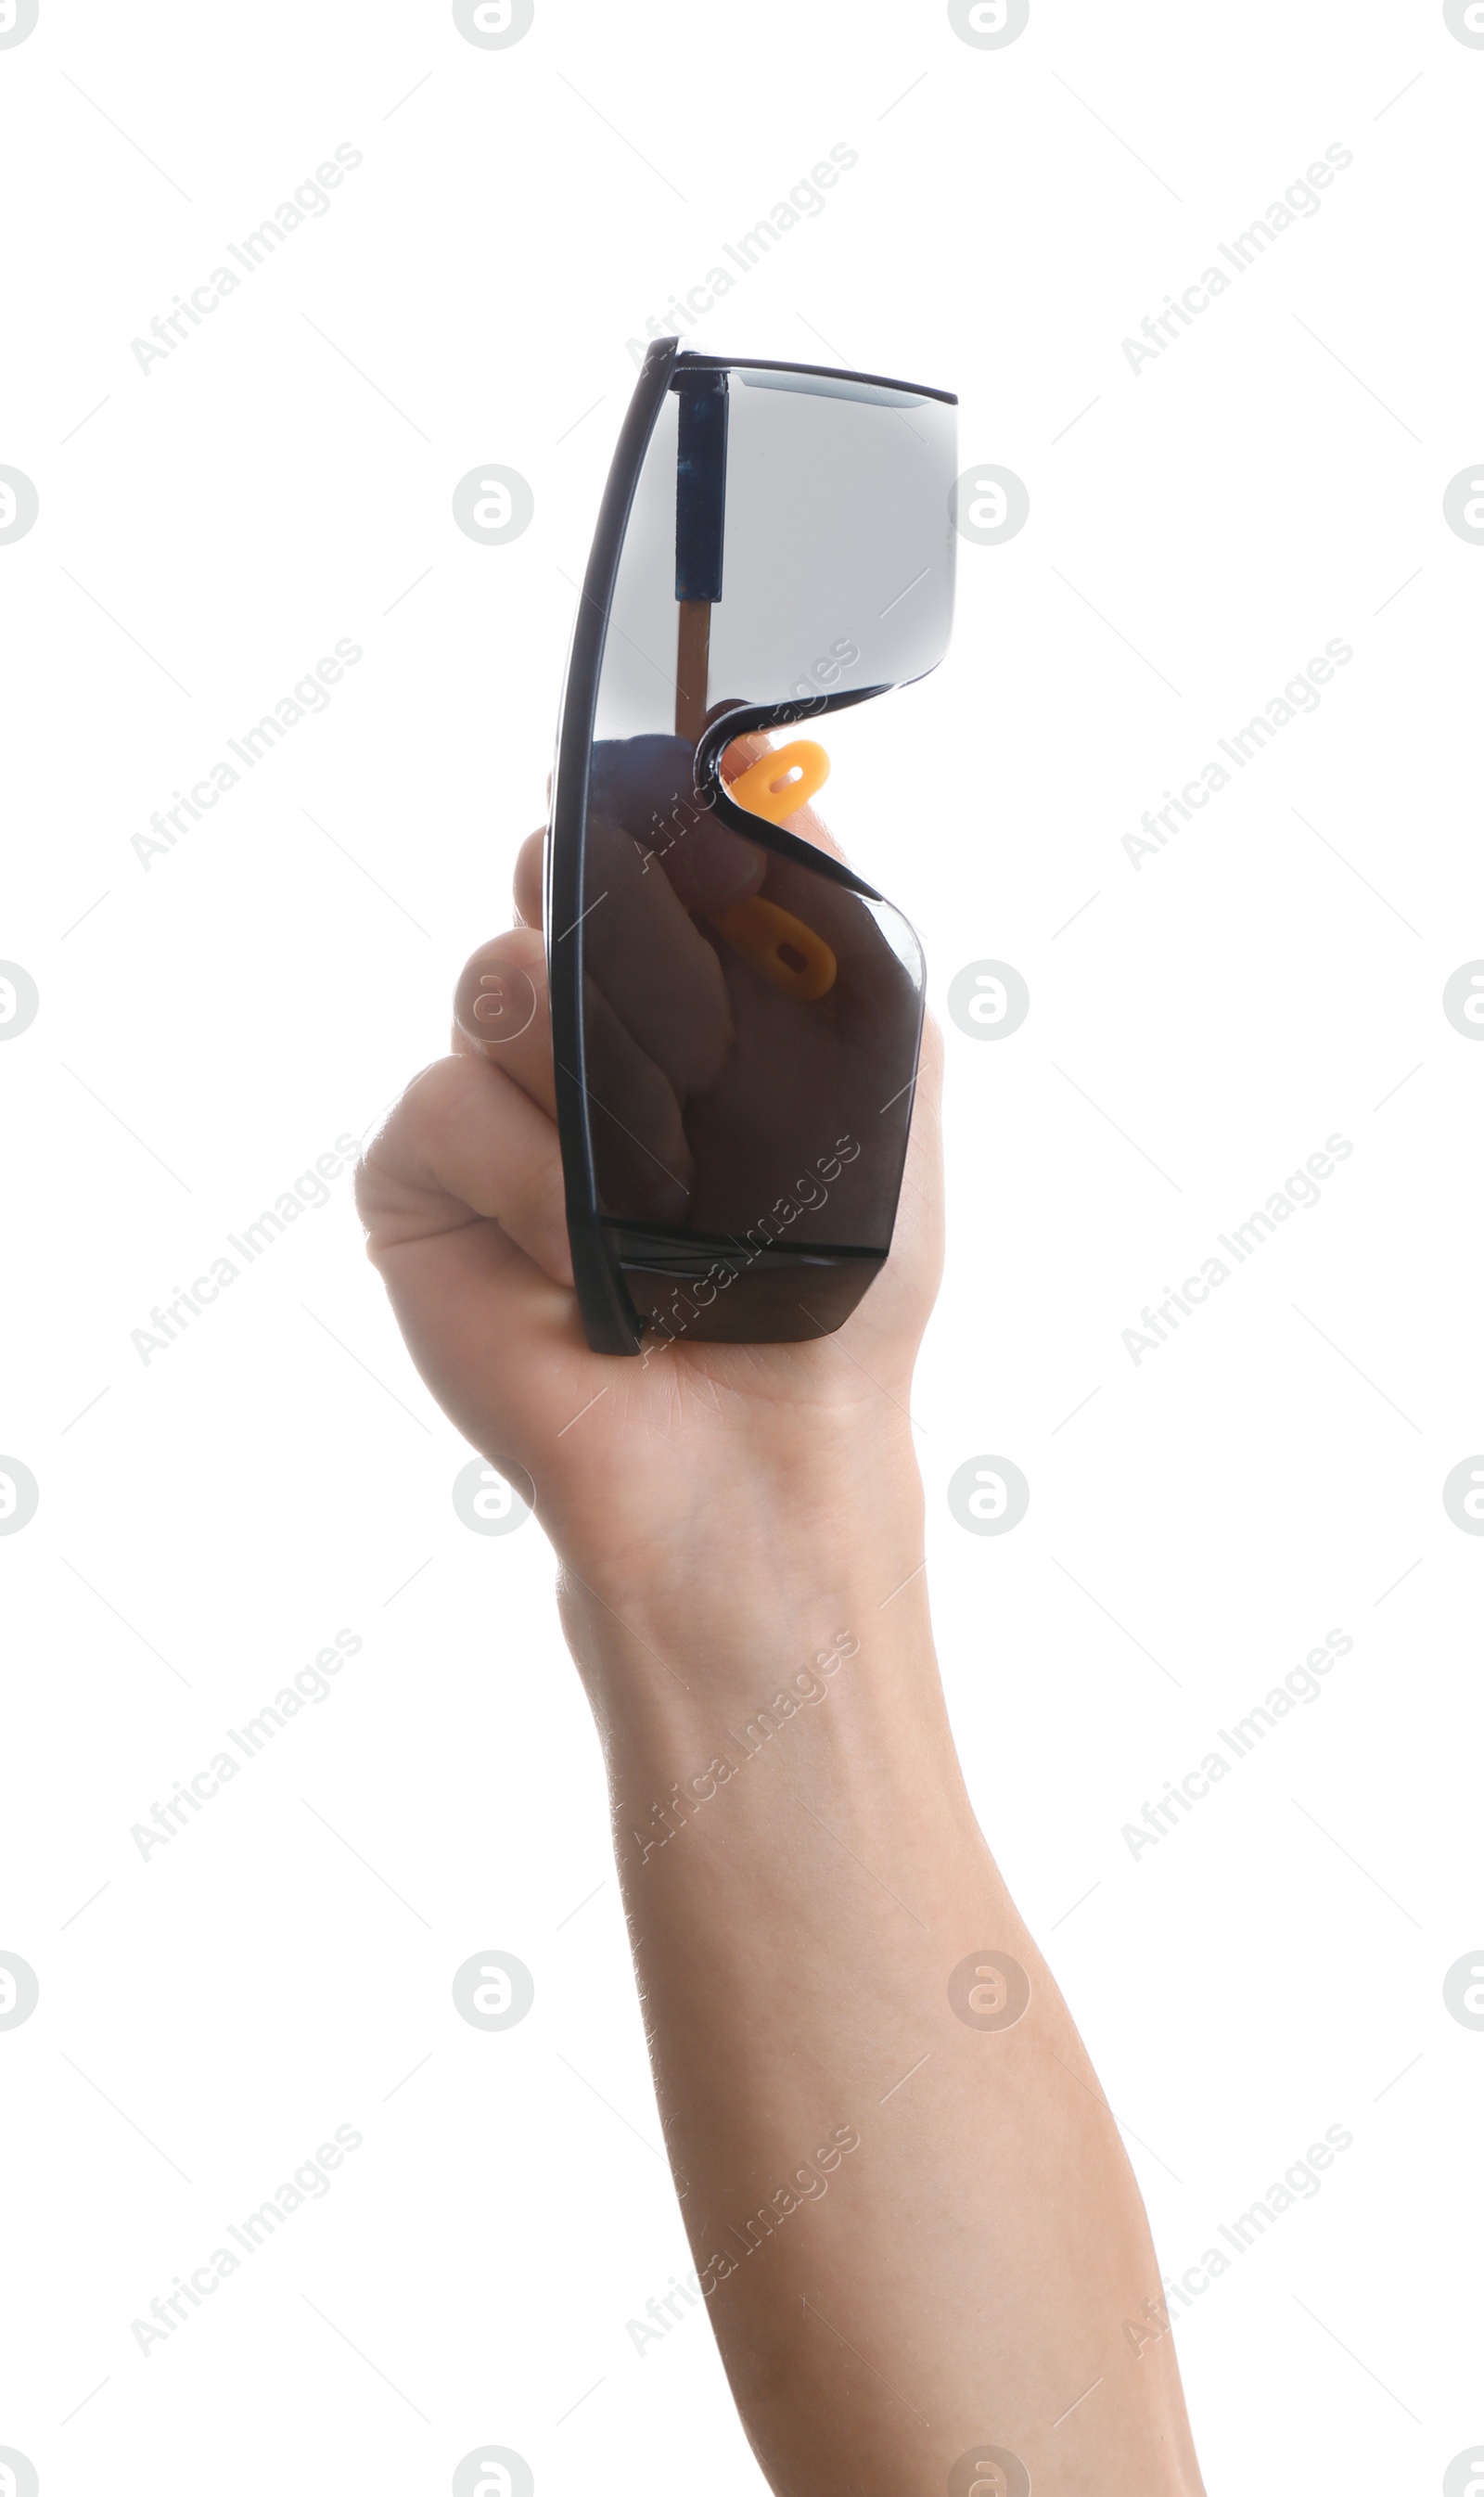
(908, 2206)
(912, 2220)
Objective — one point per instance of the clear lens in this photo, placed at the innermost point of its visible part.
(836, 563)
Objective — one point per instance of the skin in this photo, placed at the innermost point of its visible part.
(953, 2254)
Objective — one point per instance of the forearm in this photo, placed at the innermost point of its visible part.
(910, 2212)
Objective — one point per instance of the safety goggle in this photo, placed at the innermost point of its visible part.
(736, 1014)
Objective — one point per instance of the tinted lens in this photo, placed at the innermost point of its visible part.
(751, 1021)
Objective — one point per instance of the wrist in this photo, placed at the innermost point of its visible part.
(759, 1550)
(772, 1586)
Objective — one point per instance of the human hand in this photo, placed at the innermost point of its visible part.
(632, 1462)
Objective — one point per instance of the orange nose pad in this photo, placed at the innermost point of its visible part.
(788, 954)
(779, 784)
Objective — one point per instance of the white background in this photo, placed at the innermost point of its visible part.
(209, 1024)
